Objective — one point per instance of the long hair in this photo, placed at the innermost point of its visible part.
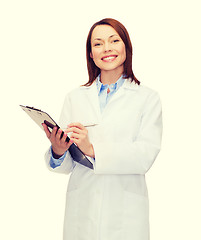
(93, 70)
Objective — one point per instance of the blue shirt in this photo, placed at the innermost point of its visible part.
(104, 98)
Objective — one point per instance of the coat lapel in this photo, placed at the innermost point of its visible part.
(92, 95)
(128, 85)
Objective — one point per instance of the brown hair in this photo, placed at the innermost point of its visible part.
(93, 70)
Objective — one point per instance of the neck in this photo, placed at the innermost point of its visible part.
(109, 77)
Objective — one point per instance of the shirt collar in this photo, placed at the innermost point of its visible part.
(114, 86)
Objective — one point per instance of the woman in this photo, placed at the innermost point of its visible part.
(109, 202)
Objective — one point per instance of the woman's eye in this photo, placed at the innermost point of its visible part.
(97, 44)
(116, 40)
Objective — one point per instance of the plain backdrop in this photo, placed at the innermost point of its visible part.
(42, 57)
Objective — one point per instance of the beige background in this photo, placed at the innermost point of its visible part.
(43, 57)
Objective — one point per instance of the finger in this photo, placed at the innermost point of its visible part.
(70, 143)
(53, 134)
(63, 139)
(47, 132)
(74, 130)
(76, 124)
(54, 131)
(74, 140)
(76, 135)
(58, 134)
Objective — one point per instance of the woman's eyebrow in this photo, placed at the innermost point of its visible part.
(113, 35)
(109, 37)
(97, 39)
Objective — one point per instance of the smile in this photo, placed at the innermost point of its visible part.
(109, 58)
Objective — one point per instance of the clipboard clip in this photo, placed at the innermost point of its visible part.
(33, 108)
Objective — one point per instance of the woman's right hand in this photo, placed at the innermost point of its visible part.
(59, 145)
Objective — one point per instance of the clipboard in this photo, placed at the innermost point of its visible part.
(40, 117)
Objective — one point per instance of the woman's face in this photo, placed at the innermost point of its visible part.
(107, 49)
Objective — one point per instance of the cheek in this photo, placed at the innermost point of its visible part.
(122, 51)
(124, 54)
(94, 53)
(95, 56)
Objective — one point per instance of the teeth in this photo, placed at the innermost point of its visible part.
(108, 58)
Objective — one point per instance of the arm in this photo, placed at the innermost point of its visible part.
(59, 147)
(56, 160)
(65, 167)
(133, 157)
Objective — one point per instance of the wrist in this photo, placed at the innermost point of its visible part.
(56, 154)
(91, 152)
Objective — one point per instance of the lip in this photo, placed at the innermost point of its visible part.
(109, 58)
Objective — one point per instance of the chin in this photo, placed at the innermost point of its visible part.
(111, 68)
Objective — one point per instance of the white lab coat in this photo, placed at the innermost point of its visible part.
(111, 201)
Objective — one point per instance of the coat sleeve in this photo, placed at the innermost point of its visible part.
(133, 157)
(66, 166)
(68, 163)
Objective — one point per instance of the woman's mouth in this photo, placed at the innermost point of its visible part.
(109, 58)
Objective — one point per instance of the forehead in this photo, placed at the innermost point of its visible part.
(103, 32)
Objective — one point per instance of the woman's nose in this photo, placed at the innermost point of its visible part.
(107, 47)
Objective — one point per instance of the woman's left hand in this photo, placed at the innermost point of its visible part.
(80, 137)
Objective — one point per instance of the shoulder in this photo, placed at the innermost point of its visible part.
(147, 91)
(77, 92)
(141, 89)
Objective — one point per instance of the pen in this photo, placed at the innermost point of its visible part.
(90, 125)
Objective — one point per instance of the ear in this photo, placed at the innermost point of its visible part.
(91, 55)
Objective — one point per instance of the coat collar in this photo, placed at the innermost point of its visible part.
(130, 85)
(127, 84)
(92, 94)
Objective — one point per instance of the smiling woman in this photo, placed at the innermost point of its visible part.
(110, 201)
(99, 39)
(108, 52)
